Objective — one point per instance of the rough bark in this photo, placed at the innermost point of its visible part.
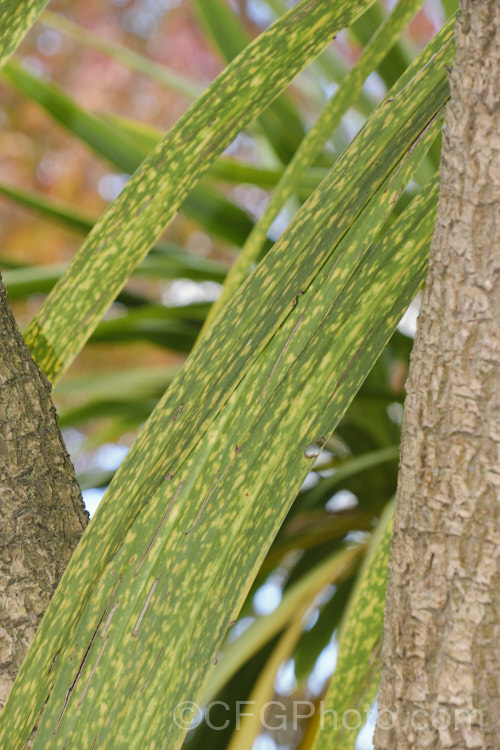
(441, 653)
(42, 515)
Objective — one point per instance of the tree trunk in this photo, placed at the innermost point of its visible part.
(440, 684)
(42, 516)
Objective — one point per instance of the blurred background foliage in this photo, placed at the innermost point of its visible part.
(93, 87)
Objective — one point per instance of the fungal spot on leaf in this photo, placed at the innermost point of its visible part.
(314, 449)
(93, 672)
(150, 544)
(178, 412)
(107, 623)
(146, 605)
(53, 662)
(144, 206)
(213, 609)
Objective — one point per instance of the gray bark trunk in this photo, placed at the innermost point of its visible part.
(440, 683)
(42, 516)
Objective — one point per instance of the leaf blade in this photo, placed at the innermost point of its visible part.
(149, 200)
(16, 18)
(312, 144)
(254, 421)
(354, 682)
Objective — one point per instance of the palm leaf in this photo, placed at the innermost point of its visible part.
(63, 716)
(296, 600)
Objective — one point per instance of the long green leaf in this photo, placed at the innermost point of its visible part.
(296, 599)
(281, 122)
(149, 201)
(115, 385)
(312, 144)
(190, 514)
(118, 571)
(16, 18)
(223, 27)
(354, 683)
(397, 56)
(126, 152)
(173, 327)
(319, 636)
(165, 260)
(354, 465)
(226, 169)
(260, 698)
(116, 146)
(26, 280)
(50, 208)
(173, 264)
(322, 528)
(160, 73)
(329, 66)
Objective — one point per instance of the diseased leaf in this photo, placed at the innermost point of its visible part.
(295, 600)
(170, 554)
(16, 18)
(281, 122)
(119, 146)
(150, 199)
(354, 683)
(311, 145)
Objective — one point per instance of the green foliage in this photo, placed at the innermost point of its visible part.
(293, 378)
(16, 17)
(168, 78)
(310, 147)
(149, 201)
(296, 601)
(280, 122)
(125, 151)
(354, 684)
